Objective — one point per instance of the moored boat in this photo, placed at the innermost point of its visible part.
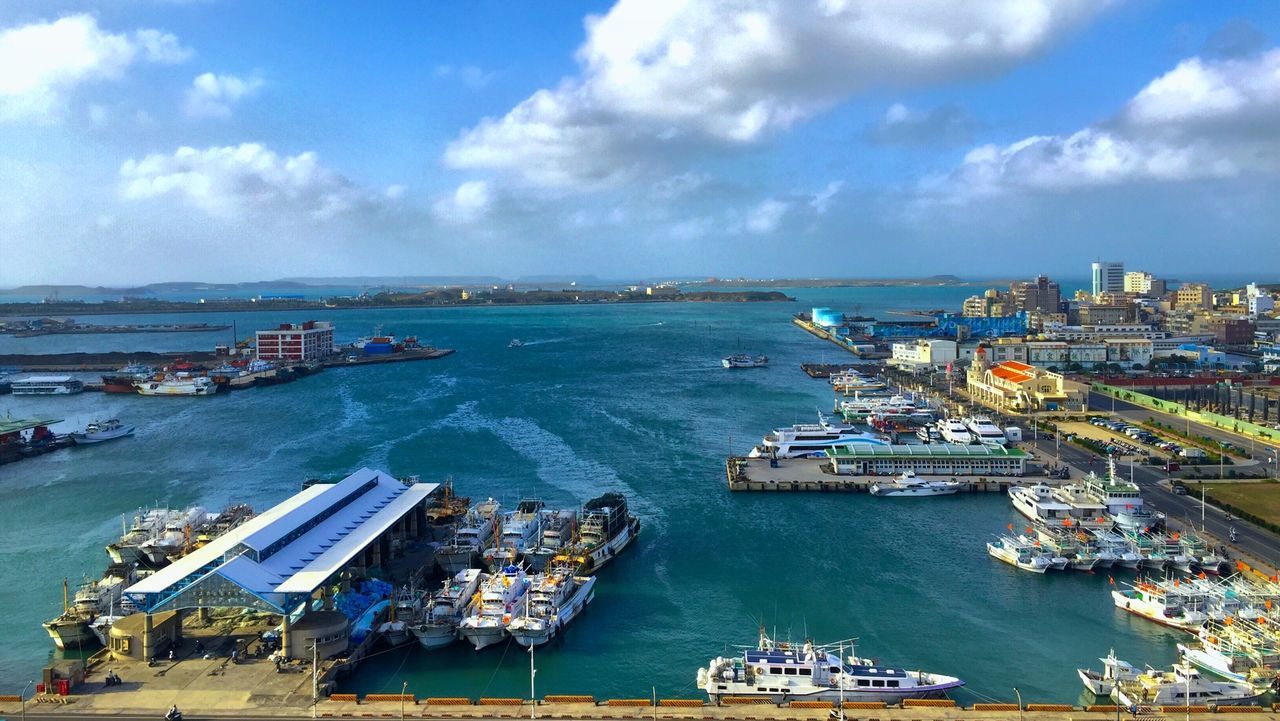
(502, 598)
(555, 599)
(907, 484)
(447, 607)
(99, 431)
(606, 528)
(1113, 670)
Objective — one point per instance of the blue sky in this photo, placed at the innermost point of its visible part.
(148, 140)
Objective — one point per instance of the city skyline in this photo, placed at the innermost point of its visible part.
(228, 141)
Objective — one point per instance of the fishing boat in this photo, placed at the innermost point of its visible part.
(519, 532)
(1113, 670)
(558, 529)
(404, 610)
(1154, 603)
(742, 360)
(447, 607)
(502, 598)
(907, 484)
(1018, 555)
(606, 528)
(124, 379)
(784, 672)
(1122, 552)
(70, 629)
(1183, 686)
(476, 534)
(446, 511)
(178, 384)
(555, 599)
(515, 343)
(99, 431)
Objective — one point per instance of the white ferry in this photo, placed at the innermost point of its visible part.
(45, 386)
(805, 440)
(179, 384)
(985, 431)
(908, 485)
(785, 672)
(555, 599)
(954, 431)
(1122, 498)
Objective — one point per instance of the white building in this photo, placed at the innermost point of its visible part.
(1261, 304)
(923, 354)
(303, 342)
(1055, 331)
(1108, 277)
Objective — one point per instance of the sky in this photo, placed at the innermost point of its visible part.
(217, 140)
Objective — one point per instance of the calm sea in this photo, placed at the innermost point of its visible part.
(620, 397)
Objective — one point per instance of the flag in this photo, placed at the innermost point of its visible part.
(1111, 580)
(1010, 527)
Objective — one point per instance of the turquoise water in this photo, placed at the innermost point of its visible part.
(621, 397)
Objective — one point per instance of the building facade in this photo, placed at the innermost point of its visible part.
(1015, 387)
(1193, 296)
(296, 342)
(1143, 284)
(1108, 277)
(923, 354)
(1040, 294)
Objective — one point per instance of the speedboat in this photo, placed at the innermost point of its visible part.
(1113, 671)
(515, 343)
(100, 431)
(907, 484)
(794, 672)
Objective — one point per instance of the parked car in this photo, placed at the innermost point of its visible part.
(1179, 489)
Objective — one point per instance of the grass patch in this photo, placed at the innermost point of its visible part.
(1258, 502)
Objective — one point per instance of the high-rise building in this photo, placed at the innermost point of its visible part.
(1192, 296)
(1143, 284)
(1108, 276)
(1040, 294)
(312, 340)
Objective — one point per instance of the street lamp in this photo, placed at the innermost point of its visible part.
(23, 697)
(533, 696)
(1019, 695)
(403, 691)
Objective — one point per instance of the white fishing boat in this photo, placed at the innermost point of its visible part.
(606, 528)
(805, 440)
(1018, 555)
(1183, 686)
(1155, 604)
(502, 599)
(178, 384)
(447, 607)
(99, 431)
(1120, 549)
(784, 672)
(1113, 670)
(404, 611)
(519, 532)
(742, 360)
(558, 529)
(907, 484)
(555, 599)
(477, 533)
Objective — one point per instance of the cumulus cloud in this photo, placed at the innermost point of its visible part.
(766, 217)
(211, 96)
(944, 125)
(241, 180)
(1205, 119)
(467, 204)
(42, 63)
(656, 73)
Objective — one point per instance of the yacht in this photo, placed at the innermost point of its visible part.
(851, 381)
(606, 528)
(908, 484)
(178, 384)
(929, 433)
(1019, 555)
(476, 534)
(1037, 503)
(1156, 604)
(558, 529)
(784, 672)
(555, 599)
(742, 360)
(449, 605)
(985, 431)
(806, 440)
(100, 431)
(519, 533)
(953, 431)
(502, 598)
(1183, 686)
(1113, 670)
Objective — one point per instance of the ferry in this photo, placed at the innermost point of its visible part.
(1183, 686)
(1155, 604)
(606, 528)
(908, 485)
(476, 534)
(955, 431)
(783, 672)
(555, 599)
(1114, 670)
(985, 431)
(1038, 504)
(178, 384)
(45, 386)
(742, 360)
(100, 431)
(805, 440)
(449, 605)
(502, 598)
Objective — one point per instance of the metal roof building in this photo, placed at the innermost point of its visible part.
(277, 560)
(930, 459)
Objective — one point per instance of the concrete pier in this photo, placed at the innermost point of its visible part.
(807, 474)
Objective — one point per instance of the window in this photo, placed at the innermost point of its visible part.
(878, 683)
(789, 671)
(863, 682)
(806, 672)
(893, 684)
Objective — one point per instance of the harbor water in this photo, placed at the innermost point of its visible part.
(629, 398)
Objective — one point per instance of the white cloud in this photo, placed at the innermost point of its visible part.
(679, 185)
(211, 96)
(658, 73)
(766, 217)
(41, 63)
(468, 203)
(821, 201)
(944, 125)
(237, 181)
(472, 76)
(1202, 120)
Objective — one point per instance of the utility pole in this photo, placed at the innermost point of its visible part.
(533, 696)
(315, 675)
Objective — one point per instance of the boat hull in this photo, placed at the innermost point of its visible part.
(453, 562)
(607, 551)
(435, 636)
(542, 633)
(70, 634)
(483, 637)
(835, 696)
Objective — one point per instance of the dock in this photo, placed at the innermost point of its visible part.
(826, 370)
(108, 362)
(847, 344)
(809, 474)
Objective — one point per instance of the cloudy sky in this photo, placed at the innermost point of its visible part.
(149, 140)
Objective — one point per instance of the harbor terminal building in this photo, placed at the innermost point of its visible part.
(288, 560)
(1016, 387)
(297, 342)
(934, 459)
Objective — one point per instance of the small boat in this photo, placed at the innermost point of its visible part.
(1183, 686)
(555, 599)
(100, 431)
(515, 343)
(1018, 555)
(1113, 671)
(792, 672)
(1155, 604)
(908, 485)
(439, 626)
(179, 384)
(742, 360)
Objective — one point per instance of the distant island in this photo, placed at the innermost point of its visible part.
(444, 297)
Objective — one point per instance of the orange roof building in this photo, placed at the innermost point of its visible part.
(1016, 387)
